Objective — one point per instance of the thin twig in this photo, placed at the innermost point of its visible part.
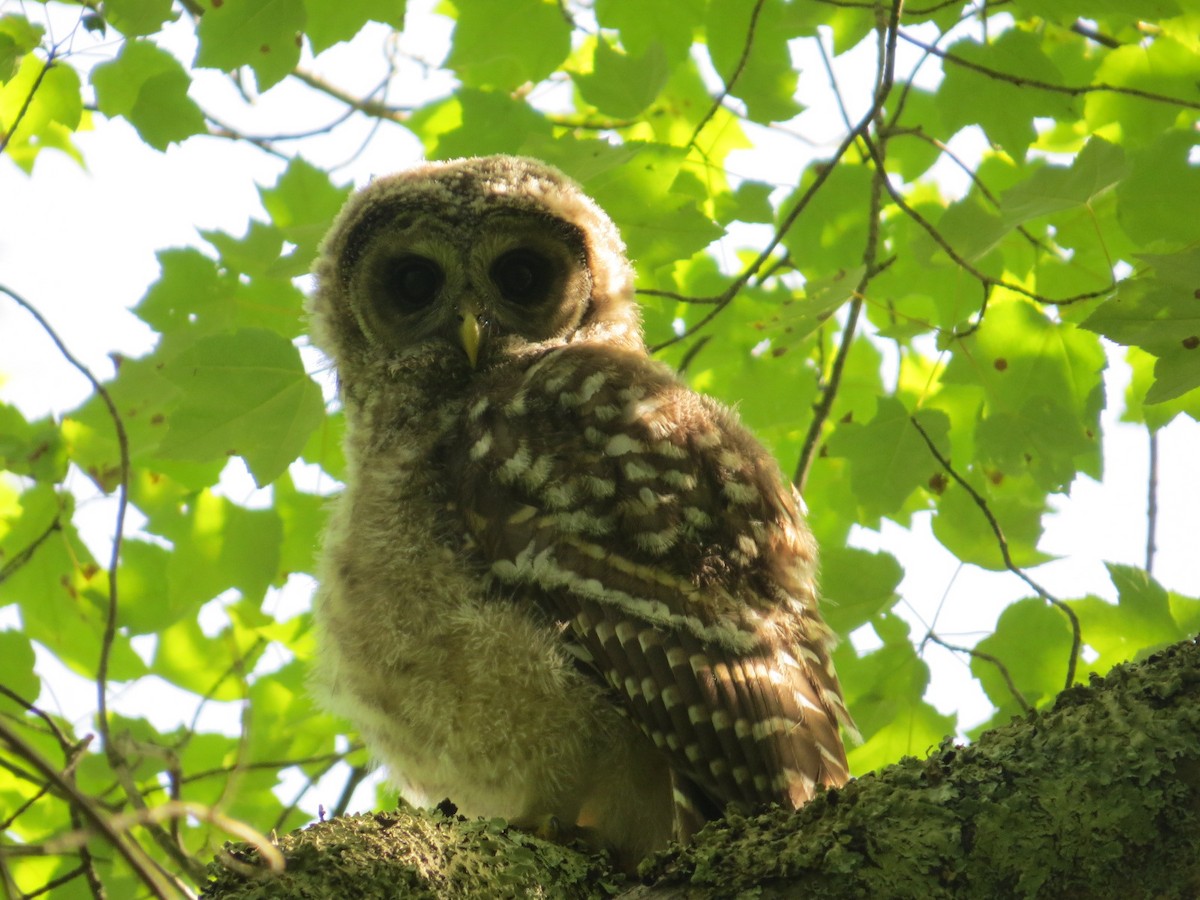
(174, 809)
(26, 553)
(988, 658)
(833, 84)
(369, 107)
(1069, 90)
(110, 618)
(1152, 503)
(356, 777)
(726, 297)
(884, 82)
(958, 259)
(727, 88)
(692, 351)
(1002, 542)
(33, 89)
(1083, 29)
(944, 149)
(141, 864)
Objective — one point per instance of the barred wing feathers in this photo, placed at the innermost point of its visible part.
(644, 518)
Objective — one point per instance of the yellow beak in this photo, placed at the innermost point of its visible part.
(470, 332)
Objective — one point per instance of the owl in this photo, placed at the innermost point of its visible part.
(559, 586)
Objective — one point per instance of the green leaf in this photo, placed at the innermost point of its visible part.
(31, 448)
(1032, 640)
(620, 84)
(303, 517)
(330, 21)
(856, 585)
(888, 457)
(829, 236)
(755, 66)
(502, 46)
(1099, 167)
(190, 293)
(884, 690)
(1004, 107)
(1158, 201)
(142, 398)
(261, 34)
(46, 101)
(476, 123)
(1139, 623)
(302, 204)
(973, 229)
(219, 545)
(1155, 415)
(325, 446)
(137, 18)
(634, 184)
(61, 591)
(268, 297)
(17, 37)
(749, 203)
(1044, 392)
(963, 529)
(667, 24)
(16, 669)
(1164, 67)
(243, 393)
(187, 658)
(1160, 312)
(147, 606)
(797, 317)
(148, 87)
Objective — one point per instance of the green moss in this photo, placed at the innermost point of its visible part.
(413, 854)
(1098, 797)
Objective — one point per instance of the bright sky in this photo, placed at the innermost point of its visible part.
(79, 246)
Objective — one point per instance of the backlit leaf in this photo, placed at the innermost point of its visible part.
(246, 394)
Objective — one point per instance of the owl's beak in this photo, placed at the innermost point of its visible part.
(470, 332)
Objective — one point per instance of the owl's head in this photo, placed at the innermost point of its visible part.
(484, 258)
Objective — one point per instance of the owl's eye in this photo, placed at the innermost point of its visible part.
(411, 282)
(523, 276)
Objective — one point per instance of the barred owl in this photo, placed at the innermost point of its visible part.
(559, 586)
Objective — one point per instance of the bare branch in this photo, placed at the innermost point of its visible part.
(991, 660)
(141, 864)
(1002, 542)
(110, 619)
(369, 107)
(884, 81)
(33, 89)
(1069, 90)
(1152, 503)
(733, 76)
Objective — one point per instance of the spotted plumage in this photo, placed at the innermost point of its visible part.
(559, 583)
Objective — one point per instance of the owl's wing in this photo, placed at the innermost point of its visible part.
(649, 523)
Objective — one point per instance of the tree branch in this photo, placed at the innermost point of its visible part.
(991, 660)
(1152, 502)
(733, 76)
(1002, 543)
(110, 618)
(969, 821)
(1069, 90)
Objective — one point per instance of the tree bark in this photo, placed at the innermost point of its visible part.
(1096, 797)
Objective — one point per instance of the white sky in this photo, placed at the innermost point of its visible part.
(79, 245)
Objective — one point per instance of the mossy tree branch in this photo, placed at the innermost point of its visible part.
(1097, 796)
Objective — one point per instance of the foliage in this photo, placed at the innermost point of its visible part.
(905, 349)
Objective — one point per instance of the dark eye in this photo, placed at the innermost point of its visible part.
(411, 282)
(523, 276)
